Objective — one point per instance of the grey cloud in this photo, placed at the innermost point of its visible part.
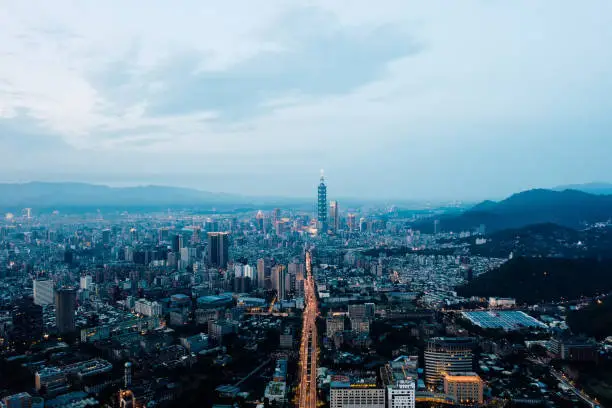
(321, 59)
(24, 133)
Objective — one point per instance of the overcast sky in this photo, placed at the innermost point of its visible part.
(393, 98)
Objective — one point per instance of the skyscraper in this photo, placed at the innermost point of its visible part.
(322, 205)
(218, 244)
(64, 309)
(177, 243)
(264, 266)
(352, 223)
(43, 292)
(279, 282)
(447, 355)
(334, 214)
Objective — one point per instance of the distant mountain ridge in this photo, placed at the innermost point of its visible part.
(51, 195)
(568, 208)
(591, 188)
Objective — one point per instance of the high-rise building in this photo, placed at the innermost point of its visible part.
(177, 243)
(127, 375)
(355, 393)
(27, 319)
(64, 309)
(85, 283)
(218, 245)
(279, 281)
(106, 236)
(264, 269)
(334, 215)
(351, 222)
(402, 394)
(43, 292)
(447, 355)
(259, 221)
(465, 388)
(333, 325)
(249, 272)
(362, 311)
(322, 205)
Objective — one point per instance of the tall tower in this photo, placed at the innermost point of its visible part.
(127, 375)
(322, 205)
(64, 310)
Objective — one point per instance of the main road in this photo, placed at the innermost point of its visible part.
(307, 390)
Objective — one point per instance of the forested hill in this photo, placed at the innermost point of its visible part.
(535, 280)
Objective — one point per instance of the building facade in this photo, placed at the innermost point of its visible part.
(64, 310)
(465, 388)
(402, 394)
(43, 292)
(447, 355)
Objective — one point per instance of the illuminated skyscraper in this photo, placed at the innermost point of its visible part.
(352, 223)
(322, 205)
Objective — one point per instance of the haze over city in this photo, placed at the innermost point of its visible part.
(465, 100)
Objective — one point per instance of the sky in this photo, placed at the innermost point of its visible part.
(393, 98)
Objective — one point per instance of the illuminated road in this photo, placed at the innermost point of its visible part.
(307, 391)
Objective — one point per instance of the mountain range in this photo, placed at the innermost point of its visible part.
(591, 188)
(568, 208)
(43, 195)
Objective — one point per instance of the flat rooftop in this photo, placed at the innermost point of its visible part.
(505, 320)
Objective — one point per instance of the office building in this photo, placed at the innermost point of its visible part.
(322, 205)
(85, 283)
(360, 326)
(27, 319)
(351, 222)
(264, 270)
(333, 325)
(464, 388)
(401, 394)
(362, 311)
(51, 380)
(147, 308)
(447, 355)
(355, 393)
(43, 292)
(177, 243)
(106, 236)
(334, 216)
(65, 299)
(279, 281)
(218, 245)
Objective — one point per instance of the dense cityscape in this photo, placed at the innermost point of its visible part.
(346, 307)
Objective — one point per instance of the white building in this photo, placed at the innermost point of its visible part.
(86, 282)
(148, 308)
(43, 292)
(357, 393)
(401, 394)
(249, 272)
(501, 302)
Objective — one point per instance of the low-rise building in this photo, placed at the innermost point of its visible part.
(464, 388)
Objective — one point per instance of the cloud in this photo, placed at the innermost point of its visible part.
(282, 88)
